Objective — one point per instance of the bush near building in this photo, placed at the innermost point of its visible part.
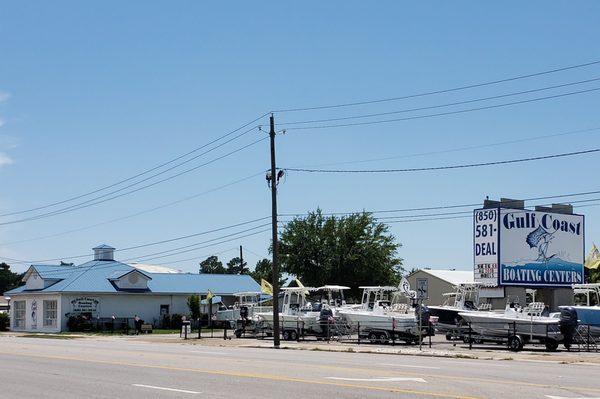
(4, 322)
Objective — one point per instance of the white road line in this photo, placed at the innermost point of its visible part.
(378, 379)
(565, 397)
(412, 366)
(166, 389)
(210, 353)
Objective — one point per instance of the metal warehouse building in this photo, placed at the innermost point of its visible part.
(435, 283)
(103, 288)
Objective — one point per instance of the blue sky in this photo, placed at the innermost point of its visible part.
(91, 94)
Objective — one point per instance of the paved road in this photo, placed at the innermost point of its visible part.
(115, 367)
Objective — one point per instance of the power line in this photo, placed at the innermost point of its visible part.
(446, 167)
(197, 257)
(462, 111)
(429, 93)
(137, 213)
(141, 173)
(196, 243)
(440, 207)
(474, 147)
(148, 244)
(87, 204)
(371, 115)
(146, 258)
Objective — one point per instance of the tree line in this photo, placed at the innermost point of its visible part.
(352, 250)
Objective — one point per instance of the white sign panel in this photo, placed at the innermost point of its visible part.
(541, 249)
(485, 246)
(422, 288)
(85, 304)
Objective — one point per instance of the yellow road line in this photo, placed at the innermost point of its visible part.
(245, 375)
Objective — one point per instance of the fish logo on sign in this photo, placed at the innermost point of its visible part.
(540, 238)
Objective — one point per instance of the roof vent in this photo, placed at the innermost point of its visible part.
(104, 252)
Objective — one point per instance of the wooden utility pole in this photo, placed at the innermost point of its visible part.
(275, 281)
(241, 260)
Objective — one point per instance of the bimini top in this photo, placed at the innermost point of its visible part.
(113, 276)
(333, 288)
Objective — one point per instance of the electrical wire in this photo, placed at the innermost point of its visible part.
(446, 167)
(372, 115)
(461, 111)
(474, 147)
(148, 244)
(137, 213)
(429, 93)
(87, 204)
(141, 173)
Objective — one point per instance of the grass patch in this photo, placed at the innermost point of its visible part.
(49, 336)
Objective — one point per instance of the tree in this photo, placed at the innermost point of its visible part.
(8, 279)
(235, 266)
(264, 270)
(352, 250)
(212, 265)
(193, 303)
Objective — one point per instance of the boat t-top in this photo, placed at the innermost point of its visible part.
(464, 299)
(382, 316)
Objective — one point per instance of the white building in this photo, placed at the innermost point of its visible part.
(103, 288)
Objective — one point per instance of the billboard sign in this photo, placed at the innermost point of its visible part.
(540, 248)
(485, 246)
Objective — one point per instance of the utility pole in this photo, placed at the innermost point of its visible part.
(241, 260)
(274, 236)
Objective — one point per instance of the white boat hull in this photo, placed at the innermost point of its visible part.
(502, 326)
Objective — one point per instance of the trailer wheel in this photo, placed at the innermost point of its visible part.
(515, 343)
(293, 335)
(286, 335)
(383, 338)
(551, 345)
(448, 336)
(238, 333)
(373, 337)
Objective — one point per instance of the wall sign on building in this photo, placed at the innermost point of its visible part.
(485, 238)
(85, 304)
(515, 247)
(422, 288)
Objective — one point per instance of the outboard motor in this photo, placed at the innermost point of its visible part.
(425, 316)
(244, 316)
(568, 325)
(325, 317)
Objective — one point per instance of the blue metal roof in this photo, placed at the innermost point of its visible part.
(94, 276)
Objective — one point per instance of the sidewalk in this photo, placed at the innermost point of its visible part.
(440, 347)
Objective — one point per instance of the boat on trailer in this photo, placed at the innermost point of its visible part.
(516, 326)
(241, 316)
(382, 316)
(588, 311)
(464, 299)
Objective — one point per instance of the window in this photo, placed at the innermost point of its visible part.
(50, 313)
(19, 307)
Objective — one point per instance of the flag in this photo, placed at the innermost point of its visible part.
(209, 295)
(593, 259)
(301, 286)
(266, 287)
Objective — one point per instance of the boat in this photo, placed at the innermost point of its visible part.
(588, 311)
(382, 316)
(241, 316)
(464, 299)
(517, 325)
(296, 313)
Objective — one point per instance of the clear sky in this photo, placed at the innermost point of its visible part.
(94, 93)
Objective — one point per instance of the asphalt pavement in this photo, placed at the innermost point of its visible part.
(115, 367)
